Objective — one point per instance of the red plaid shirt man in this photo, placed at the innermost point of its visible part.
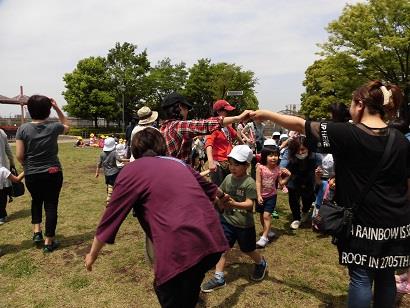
(179, 135)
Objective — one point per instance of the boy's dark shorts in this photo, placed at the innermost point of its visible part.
(246, 237)
(110, 179)
(268, 205)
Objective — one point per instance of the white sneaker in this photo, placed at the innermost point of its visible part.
(271, 234)
(315, 211)
(295, 224)
(263, 241)
(305, 218)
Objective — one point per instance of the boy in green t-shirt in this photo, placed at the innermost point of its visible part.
(237, 219)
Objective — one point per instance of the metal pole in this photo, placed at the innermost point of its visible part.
(123, 113)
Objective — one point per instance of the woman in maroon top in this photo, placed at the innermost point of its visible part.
(175, 211)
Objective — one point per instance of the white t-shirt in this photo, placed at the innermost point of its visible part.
(4, 174)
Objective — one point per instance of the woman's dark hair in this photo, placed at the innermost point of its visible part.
(294, 145)
(172, 112)
(148, 142)
(39, 107)
(340, 112)
(267, 151)
(400, 125)
(372, 97)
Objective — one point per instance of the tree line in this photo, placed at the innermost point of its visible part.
(99, 86)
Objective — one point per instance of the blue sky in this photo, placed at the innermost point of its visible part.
(44, 39)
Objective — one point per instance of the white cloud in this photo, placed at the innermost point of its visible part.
(44, 39)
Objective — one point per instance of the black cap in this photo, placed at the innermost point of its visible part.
(175, 98)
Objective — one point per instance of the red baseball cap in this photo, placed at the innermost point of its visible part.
(222, 104)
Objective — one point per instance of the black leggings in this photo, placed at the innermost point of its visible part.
(45, 189)
(295, 195)
(3, 201)
(183, 289)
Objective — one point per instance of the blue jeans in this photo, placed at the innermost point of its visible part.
(320, 193)
(360, 288)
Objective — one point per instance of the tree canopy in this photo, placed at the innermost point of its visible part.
(89, 91)
(209, 82)
(96, 86)
(370, 40)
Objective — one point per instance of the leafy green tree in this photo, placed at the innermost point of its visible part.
(327, 81)
(199, 88)
(89, 92)
(209, 82)
(128, 71)
(164, 79)
(376, 34)
(230, 77)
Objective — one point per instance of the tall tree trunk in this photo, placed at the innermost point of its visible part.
(95, 122)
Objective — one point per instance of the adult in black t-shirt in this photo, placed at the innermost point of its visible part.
(380, 235)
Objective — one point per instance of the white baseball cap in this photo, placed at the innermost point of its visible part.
(276, 134)
(269, 142)
(241, 153)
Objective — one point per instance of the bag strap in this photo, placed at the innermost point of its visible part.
(391, 136)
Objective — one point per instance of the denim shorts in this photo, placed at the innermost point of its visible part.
(268, 205)
(246, 237)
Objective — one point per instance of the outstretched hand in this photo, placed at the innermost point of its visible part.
(89, 261)
(260, 115)
(245, 115)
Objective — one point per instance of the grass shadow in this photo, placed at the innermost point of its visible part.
(23, 213)
(82, 243)
(234, 272)
(328, 300)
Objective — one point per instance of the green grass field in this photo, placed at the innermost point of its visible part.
(303, 267)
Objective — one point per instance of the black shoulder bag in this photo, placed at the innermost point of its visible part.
(336, 220)
(17, 189)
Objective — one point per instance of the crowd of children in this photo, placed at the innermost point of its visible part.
(253, 174)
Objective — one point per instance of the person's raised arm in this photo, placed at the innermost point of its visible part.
(287, 121)
(235, 119)
(63, 119)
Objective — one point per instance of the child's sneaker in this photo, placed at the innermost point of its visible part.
(275, 215)
(295, 224)
(403, 287)
(263, 241)
(3, 220)
(259, 271)
(37, 237)
(212, 285)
